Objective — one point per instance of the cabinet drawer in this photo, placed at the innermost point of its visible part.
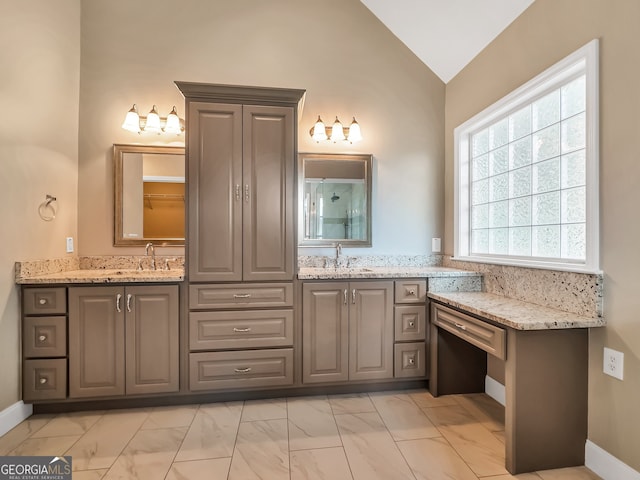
(410, 291)
(240, 296)
(44, 379)
(410, 324)
(44, 337)
(409, 360)
(483, 335)
(240, 329)
(243, 369)
(44, 301)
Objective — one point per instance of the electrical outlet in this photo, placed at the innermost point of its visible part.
(69, 244)
(436, 245)
(613, 363)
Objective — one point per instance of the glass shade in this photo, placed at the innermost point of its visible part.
(319, 131)
(153, 121)
(354, 132)
(337, 132)
(132, 120)
(173, 123)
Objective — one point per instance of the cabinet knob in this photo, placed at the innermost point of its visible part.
(42, 338)
(42, 380)
(42, 301)
(411, 292)
(412, 361)
(412, 324)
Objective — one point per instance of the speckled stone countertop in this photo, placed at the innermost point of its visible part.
(331, 273)
(105, 276)
(515, 313)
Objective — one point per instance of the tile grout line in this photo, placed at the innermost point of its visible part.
(182, 441)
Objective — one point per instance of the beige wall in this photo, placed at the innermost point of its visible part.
(39, 85)
(545, 33)
(348, 62)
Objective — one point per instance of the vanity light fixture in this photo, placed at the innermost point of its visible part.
(153, 123)
(337, 132)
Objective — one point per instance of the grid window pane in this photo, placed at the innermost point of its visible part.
(480, 143)
(546, 110)
(573, 97)
(499, 161)
(520, 123)
(499, 134)
(499, 241)
(528, 179)
(546, 143)
(546, 176)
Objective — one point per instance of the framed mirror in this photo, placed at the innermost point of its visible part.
(334, 192)
(149, 195)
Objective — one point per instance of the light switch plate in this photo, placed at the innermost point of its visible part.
(436, 245)
(69, 244)
(613, 363)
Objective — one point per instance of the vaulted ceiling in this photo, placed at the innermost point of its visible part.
(446, 34)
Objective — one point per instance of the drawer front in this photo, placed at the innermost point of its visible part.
(410, 323)
(242, 369)
(411, 291)
(44, 379)
(409, 360)
(483, 335)
(44, 301)
(254, 295)
(240, 329)
(44, 337)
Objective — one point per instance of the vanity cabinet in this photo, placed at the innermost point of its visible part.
(123, 340)
(410, 329)
(44, 343)
(347, 331)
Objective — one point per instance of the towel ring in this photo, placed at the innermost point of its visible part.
(47, 211)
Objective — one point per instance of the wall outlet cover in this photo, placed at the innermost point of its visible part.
(436, 245)
(69, 244)
(613, 363)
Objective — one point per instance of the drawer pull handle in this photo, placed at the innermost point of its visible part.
(42, 338)
(43, 380)
(246, 193)
(353, 296)
(118, 298)
(241, 330)
(237, 192)
(129, 302)
(345, 296)
(42, 301)
(241, 295)
(460, 326)
(242, 370)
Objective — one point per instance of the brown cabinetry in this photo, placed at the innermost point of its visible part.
(410, 325)
(123, 340)
(347, 331)
(44, 343)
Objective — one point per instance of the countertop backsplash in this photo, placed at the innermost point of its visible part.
(579, 293)
(345, 261)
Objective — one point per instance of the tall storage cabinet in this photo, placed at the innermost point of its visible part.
(241, 249)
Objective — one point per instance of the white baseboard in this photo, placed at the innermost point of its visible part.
(13, 415)
(606, 465)
(495, 390)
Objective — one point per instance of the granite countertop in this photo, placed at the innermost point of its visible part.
(329, 273)
(515, 313)
(112, 275)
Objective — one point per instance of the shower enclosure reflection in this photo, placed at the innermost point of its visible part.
(335, 199)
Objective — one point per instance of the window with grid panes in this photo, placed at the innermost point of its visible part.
(527, 172)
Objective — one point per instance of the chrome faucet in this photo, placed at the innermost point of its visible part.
(153, 254)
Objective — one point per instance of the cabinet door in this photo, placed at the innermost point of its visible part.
(268, 167)
(215, 192)
(325, 346)
(371, 330)
(152, 339)
(96, 341)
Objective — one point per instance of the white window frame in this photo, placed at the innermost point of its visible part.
(583, 60)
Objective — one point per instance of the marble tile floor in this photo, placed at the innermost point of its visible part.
(384, 435)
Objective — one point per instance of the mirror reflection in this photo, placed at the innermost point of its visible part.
(335, 195)
(149, 195)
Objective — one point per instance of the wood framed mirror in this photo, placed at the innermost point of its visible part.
(334, 199)
(149, 188)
